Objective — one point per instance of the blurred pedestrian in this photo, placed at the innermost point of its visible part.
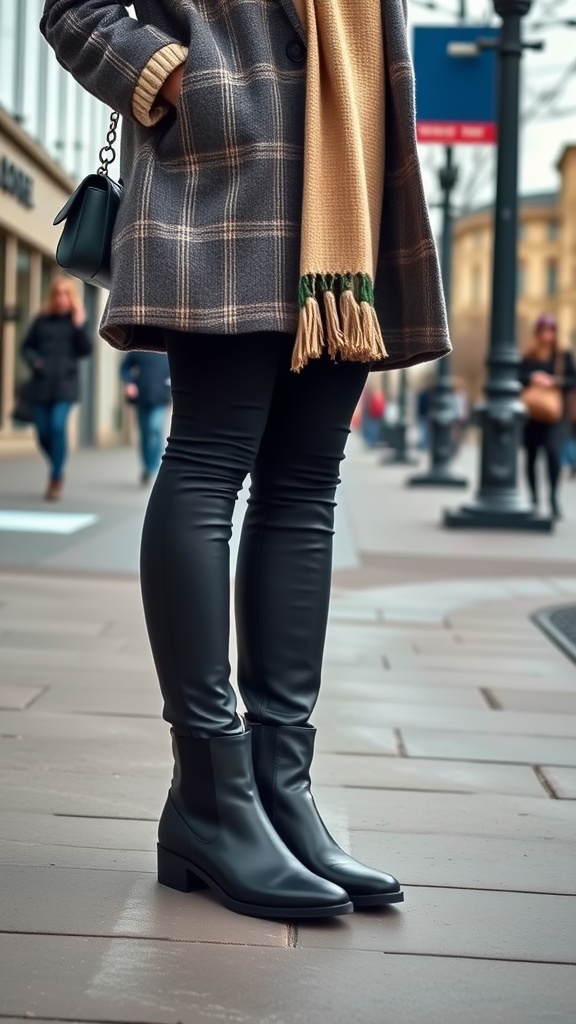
(373, 410)
(247, 245)
(424, 403)
(548, 376)
(146, 377)
(56, 341)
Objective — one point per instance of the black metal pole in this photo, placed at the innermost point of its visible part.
(499, 504)
(443, 413)
(399, 435)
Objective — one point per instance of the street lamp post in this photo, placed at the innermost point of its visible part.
(400, 444)
(499, 504)
(443, 414)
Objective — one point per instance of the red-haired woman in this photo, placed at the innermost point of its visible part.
(546, 366)
(56, 340)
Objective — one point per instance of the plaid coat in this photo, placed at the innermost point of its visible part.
(208, 235)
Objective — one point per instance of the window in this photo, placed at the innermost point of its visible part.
(46, 274)
(552, 230)
(551, 277)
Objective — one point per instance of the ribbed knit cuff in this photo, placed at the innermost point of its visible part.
(147, 106)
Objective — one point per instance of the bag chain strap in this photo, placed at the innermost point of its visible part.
(107, 154)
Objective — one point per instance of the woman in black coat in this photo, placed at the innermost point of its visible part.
(545, 366)
(56, 340)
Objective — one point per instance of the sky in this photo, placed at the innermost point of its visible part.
(544, 134)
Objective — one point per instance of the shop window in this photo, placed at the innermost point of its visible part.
(551, 277)
(47, 273)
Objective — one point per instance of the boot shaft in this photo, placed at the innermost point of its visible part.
(282, 758)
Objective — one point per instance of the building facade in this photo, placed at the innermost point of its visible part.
(546, 272)
(49, 132)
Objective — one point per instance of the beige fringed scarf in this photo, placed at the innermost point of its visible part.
(343, 181)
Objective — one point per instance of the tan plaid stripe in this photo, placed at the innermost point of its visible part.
(208, 236)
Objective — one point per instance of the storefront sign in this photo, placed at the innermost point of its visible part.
(15, 182)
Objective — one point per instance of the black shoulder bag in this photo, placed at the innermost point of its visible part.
(90, 213)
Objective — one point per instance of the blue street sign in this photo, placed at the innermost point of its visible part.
(456, 84)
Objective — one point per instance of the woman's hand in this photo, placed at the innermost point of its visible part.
(78, 315)
(543, 380)
(131, 391)
(173, 86)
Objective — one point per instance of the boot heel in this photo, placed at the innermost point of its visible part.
(176, 873)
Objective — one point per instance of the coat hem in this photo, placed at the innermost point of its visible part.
(150, 338)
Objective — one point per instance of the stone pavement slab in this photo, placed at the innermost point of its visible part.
(351, 738)
(85, 902)
(472, 862)
(102, 792)
(17, 698)
(492, 665)
(542, 702)
(508, 749)
(418, 774)
(477, 677)
(355, 691)
(112, 980)
(461, 922)
(104, 699)
(495, 815)
(562, 781)
(78, 858)
(82, 832)
(87, 680)
(455, 719)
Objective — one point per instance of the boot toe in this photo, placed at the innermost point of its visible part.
(323, 894)
(365, 886)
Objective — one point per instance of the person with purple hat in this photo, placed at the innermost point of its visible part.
(548, 375)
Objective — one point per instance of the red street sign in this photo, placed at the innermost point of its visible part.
(449, 134)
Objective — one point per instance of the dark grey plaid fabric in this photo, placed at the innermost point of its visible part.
(208, 236)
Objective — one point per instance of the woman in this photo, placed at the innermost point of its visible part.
(545, 366)
(146, 379)
(53, 346)
(246, 246)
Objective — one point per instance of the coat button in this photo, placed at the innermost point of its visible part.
(296, 51)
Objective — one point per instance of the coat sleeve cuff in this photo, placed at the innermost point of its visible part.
(147, 107)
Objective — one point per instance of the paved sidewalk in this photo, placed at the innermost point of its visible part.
(447, 754)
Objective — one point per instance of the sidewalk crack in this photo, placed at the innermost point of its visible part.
(544, 781)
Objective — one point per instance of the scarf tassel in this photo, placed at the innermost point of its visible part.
(349, 330)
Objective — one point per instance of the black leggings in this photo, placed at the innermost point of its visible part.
(238, 409)
(539, 436)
